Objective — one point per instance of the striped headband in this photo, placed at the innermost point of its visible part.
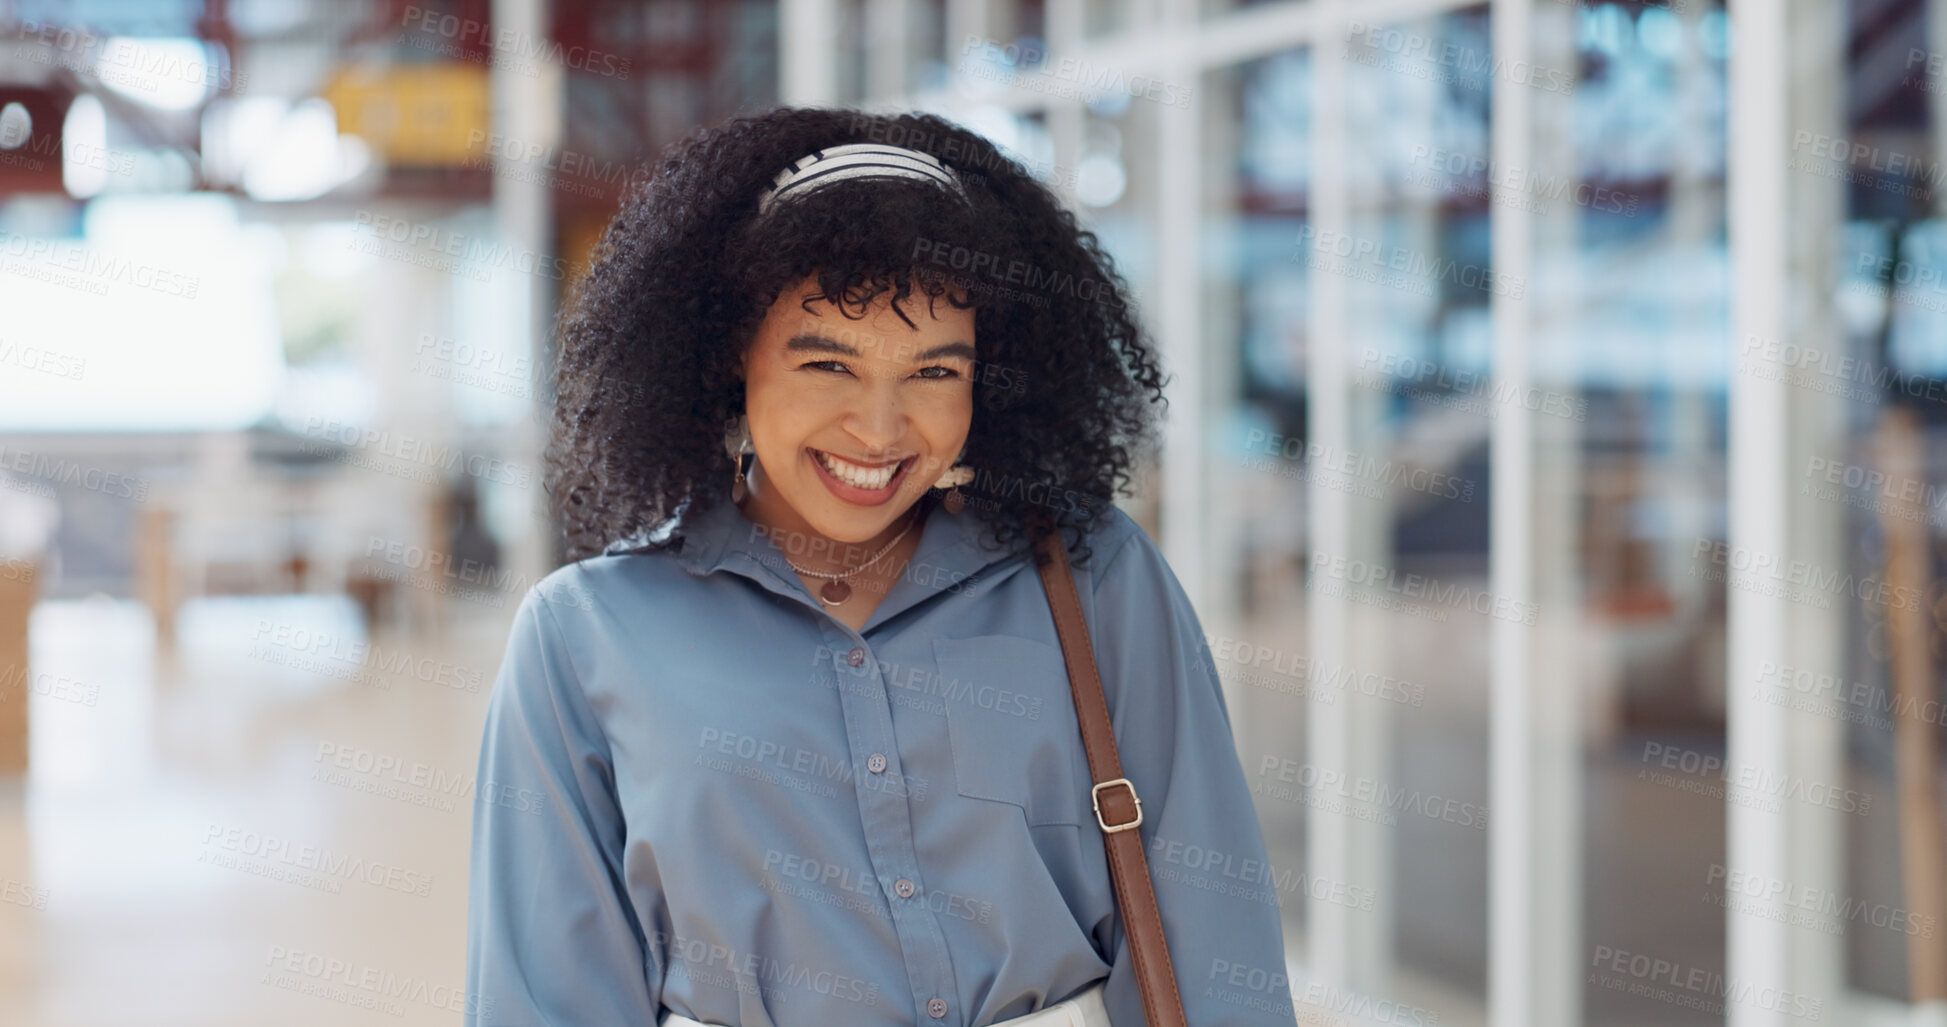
(855, 160)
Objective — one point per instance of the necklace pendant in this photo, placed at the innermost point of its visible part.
(835, 592)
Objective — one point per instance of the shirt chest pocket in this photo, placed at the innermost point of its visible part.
(1011, 724)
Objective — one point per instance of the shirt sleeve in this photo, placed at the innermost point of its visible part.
(1200, 832)
(552, 938)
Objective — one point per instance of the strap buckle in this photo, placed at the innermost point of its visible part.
(1095, 799)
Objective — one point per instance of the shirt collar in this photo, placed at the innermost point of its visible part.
(951, 547)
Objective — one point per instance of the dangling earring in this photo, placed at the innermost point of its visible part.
(736, 442)
(957, 475)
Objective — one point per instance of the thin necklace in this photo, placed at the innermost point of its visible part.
(836, 590)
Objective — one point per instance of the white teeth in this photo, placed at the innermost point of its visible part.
(869, 478)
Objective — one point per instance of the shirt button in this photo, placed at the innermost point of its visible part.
(905, 889)
(855, 657)
(936, 1007)
(877, 763)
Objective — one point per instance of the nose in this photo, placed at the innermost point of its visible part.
(878, 419)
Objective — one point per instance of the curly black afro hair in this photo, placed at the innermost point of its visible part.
(645, 381)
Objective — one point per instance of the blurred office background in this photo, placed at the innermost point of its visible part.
(1554, 459)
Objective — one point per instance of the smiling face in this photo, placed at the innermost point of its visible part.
(854, 419)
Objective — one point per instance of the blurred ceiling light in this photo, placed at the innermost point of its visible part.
(1100, 180)
(234, 129)
(286, 153)
(1605, 29)
(1661, 32)
(84, 137)
(173, 74)
(15, 126)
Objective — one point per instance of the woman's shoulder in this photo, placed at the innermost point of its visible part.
(611, 581)
(1112, 536)
(1114, 526)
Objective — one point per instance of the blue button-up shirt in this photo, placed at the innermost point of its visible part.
(699, 790)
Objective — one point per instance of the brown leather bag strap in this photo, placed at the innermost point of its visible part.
(1117, 808)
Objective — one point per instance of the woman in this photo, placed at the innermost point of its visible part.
(792, 742)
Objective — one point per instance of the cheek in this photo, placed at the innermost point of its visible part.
(946, 425)
(783, 421)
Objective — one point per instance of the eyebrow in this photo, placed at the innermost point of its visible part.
(809, 342)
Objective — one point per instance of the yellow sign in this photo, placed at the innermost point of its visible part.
(414, 114)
